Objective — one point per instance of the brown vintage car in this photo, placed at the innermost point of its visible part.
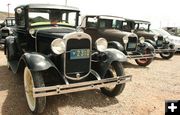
(109, 27)
(142, 29)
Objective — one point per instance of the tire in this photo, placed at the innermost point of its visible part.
(146, 61)
(167, 55)
(118, 69)
(34, 79)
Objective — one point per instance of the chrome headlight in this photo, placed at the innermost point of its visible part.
(155, 37)
(141, 40)
(101, 44)
(31, 31)
(125, 39)
(58, 46)
(10, 32)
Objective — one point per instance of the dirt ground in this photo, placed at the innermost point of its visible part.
(145, 95)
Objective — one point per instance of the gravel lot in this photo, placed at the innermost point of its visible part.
(145, 95)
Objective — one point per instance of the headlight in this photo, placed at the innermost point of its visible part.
(58, 46)
(10, 32)
(156, 37)
(141, 40)
(101, 44)
(125, 39)
(31, 31)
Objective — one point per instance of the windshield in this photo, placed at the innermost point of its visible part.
(52, 17)
(110, 23)
(10, 22)
(161, 32)
(142, 26)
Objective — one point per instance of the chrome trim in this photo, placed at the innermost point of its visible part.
(79, 36)
(77, 87)
(95, 74)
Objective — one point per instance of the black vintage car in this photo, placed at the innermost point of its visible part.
(109, 27)
(142, 29)
(7, 28)
(54, 58)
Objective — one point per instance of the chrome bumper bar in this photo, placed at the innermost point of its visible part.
(76, 87)
(140, 56)
(164, 50)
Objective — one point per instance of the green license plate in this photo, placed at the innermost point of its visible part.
(131, 45)
(159, 42)
(79, 54)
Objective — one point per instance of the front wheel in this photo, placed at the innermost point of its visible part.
(167, 55)
(31, 80)
(115, 69)
(145, 61)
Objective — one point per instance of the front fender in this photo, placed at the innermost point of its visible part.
(112, 56)
(115, 55)
(151, 42)
(148, 46)
(37, 62)
(171, 45)
(116, 45)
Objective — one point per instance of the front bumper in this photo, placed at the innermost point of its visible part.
(164, 50)
(77, 87)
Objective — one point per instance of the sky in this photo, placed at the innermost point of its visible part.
(159, 12)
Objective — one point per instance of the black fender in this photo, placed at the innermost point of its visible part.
(171, 45)
(148, 46)
(37, 62)
(113, 55)
(10, 45)
(116, 45)
(153, 43)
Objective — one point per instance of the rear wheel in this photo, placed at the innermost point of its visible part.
(115, 69)
(167, 55)
(31, 80)
(146, 61)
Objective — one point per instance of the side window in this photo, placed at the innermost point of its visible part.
(91, 22)
(125, 26)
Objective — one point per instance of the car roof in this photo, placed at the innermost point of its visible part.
(139, 21)
(107, 17)
(49, 6)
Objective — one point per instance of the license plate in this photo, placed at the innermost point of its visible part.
(159, 42)
(131, 45)
(79, 54)
(4, 34)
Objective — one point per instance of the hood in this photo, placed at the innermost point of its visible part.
(6, 28)
(116, 33)
(173, 39)
(54, 31)
(145, 34)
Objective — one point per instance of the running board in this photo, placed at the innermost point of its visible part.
(77, 87)
(140, 56)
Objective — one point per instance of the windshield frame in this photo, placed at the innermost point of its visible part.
(39, 10)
